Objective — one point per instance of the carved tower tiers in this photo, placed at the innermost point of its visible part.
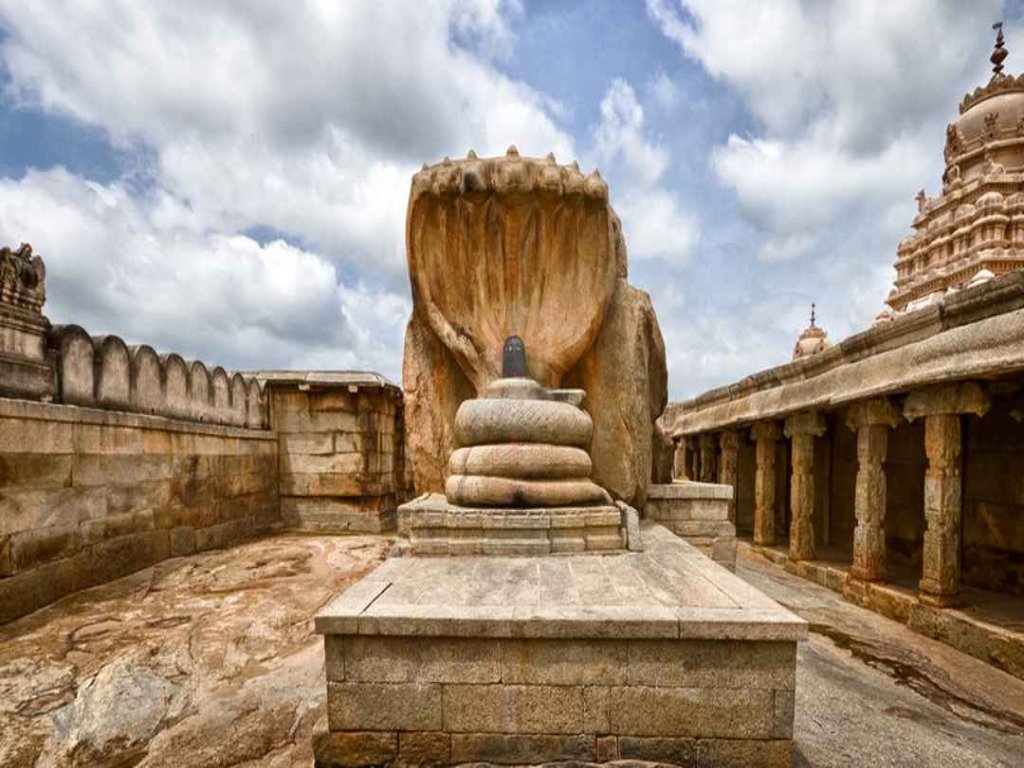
(974, 230)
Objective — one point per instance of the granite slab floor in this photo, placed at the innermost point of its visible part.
(211, 660)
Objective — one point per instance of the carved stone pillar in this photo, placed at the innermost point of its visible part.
(679, 463)
(728, 461)
(707, 458)
(766, 435)
(871, 421)
(802, 429)
(943, 484)
(693, 458)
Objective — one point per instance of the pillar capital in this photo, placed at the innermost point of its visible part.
(806, 423)
(729, 440)
(708, 440)
(766, 430)
(872, 413)
(947, 399)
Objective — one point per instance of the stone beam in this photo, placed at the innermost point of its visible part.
(976, 334)
(802, 428)
(766, 434)
(963, 397)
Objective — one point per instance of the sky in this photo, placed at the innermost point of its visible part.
(228, 180)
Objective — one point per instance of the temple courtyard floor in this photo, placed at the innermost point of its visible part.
(210, 660)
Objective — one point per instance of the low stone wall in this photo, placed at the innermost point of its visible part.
(89, 495)
(104, 372)
(699, 513)
(342, 450)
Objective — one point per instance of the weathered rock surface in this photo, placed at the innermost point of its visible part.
(540, 254)
(434, 386)
(231, 630)
(207, 660)
(626, 380)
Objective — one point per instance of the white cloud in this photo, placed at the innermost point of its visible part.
(653, 219)
(797, 190)
(663, 90)
(847, 104)
(115, 266)
(308, 118)
(305, 119)
(858, 73)
(851, 98)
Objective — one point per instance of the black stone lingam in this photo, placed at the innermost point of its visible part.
(513, 358)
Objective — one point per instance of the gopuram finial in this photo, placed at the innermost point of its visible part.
(999, 54)
(812, 315)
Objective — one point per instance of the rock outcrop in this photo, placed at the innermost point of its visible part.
(516, 246)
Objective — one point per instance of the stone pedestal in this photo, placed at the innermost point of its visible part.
(661, 656)
(802, 429)
(943, 484)
(434, 526)
(728, 464)
(766, 435)
(698, 512)
(872, 422)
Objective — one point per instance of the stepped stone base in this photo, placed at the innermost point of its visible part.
(661, 655)
(433, 526)
(699, 512)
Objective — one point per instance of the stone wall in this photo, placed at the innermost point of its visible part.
(450, 701)
(115, 457)
(993, 510)
(88, 495)
(105, 372)
(342, 450)
(904, 513)
(843, 481)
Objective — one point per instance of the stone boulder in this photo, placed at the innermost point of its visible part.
(521, 246)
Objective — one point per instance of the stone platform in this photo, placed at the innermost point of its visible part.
(699, 512)
(433, 526)
(657, 655)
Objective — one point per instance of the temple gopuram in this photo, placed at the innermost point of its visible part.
(887, 465)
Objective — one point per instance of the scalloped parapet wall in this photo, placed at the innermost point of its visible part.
(105, 372)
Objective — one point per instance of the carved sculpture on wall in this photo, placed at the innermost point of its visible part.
(22, 278)
(991, 126)
(954, 143)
